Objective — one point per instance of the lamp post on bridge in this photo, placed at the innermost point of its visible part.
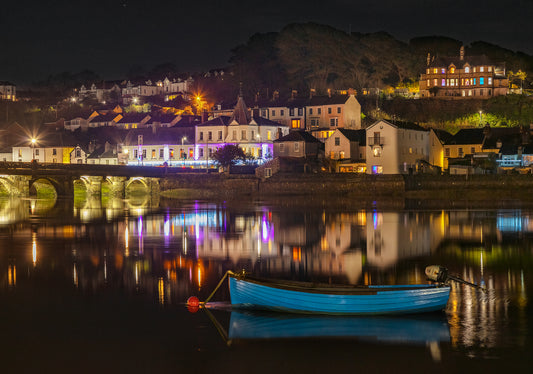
(33, 141)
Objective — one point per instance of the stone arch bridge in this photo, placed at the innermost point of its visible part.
(17, 178)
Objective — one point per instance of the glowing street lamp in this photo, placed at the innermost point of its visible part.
(33, 141)
(480, 120)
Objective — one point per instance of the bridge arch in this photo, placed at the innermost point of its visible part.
(45, 185)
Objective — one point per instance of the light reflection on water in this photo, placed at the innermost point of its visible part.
(167, 254)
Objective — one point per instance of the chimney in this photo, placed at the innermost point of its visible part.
(280, 133)
(204, 116)
(294, 93)
(462, 53)
(351, 92)
(312, 92)
(329, 92)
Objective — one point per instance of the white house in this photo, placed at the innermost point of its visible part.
(395, 148)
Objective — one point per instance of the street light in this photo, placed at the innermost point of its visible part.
(480, 120)
(182, 149)
(33, 141)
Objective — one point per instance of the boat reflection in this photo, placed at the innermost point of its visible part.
(406, 330)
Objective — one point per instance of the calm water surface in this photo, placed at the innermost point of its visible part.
(95, 285)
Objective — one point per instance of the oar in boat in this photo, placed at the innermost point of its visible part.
(440, 274)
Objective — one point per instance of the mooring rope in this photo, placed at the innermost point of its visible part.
(229, 272)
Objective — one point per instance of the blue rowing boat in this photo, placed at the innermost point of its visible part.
(301, 297)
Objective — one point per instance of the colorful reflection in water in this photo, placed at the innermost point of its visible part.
(168, 254)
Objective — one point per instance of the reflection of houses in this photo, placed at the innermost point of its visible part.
(392, 236)
(395, 148)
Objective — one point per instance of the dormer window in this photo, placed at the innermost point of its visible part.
(452, 69)
(443, 71)
(467, 69)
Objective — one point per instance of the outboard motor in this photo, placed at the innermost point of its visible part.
(437, 273)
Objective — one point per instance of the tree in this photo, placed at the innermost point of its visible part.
(229, 155)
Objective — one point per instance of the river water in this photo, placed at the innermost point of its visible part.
(100, 285)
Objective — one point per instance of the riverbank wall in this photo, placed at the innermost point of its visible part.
(350, 185)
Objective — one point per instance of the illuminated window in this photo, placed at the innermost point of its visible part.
(443, 71)
(489, 69)
(126, 126)
(153, 153)
(467, 69)
(474, 82)
(134, 126)
(434, 82)
(481, 69)
(171, 152)
(269, 135)
(295, 123)
(410, 150)
(376, 151)
(427, 71)
(427, 83)
(443, 82)
(481, 81)
(377, 169)
(489, 80)
(341, 154)
(474, 69)
(435, 71)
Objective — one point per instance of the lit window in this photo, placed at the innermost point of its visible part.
(489, 69)
(481, 69)
(295, 123)
(443, 71)
(435, 71)
(489, 80)
(434, 82)
(474, 82)
(427, 83)
(443, 83)
(376, 151)
(481, 81)
(377, 169)
(467, 69)
(452, 70)
(269, 135)
(427, 71)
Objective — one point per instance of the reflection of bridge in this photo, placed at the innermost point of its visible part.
(17, 178)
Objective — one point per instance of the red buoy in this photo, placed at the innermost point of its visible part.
(193, 302)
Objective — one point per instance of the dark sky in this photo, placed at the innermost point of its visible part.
(110, 36)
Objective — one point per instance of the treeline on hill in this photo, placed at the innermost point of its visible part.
(312, 56)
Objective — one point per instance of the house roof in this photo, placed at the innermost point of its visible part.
(132, 117)
(298, 136)
(467, 136)
(354, 135)
(164, 135)
(443, 135)
(104, 117)
(401, 125)
(446, 61)
(503, 135)
(240, 113)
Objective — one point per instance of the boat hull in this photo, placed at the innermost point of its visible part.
(371, 300)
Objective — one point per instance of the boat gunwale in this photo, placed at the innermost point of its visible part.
(322, 288)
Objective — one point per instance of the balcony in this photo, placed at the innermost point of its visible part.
(376, 140)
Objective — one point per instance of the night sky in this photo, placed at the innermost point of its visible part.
(38, 38)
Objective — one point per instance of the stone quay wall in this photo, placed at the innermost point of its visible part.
(351, 185)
